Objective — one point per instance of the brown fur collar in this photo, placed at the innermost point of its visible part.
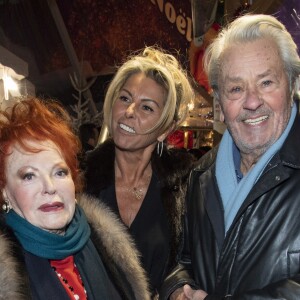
(116, 246)
(14, 282)
(110, 236)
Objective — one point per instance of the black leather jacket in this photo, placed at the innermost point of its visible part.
(259, 258)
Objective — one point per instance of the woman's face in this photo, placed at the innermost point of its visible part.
(39, 186)
(137, 109)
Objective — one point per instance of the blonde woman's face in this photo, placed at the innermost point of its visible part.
(138, 108)
(40, 187)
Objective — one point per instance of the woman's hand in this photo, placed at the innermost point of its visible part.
(187, 293)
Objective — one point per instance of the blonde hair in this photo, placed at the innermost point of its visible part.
(165, 70)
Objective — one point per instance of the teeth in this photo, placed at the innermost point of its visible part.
(256, 121)
(127, 128)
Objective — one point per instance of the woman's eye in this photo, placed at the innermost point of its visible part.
(62, 172)
(148, 108)
(28, 176)
(124, 98)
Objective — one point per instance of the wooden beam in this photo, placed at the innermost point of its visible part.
(63, 32)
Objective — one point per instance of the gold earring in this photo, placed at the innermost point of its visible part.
(6, 206)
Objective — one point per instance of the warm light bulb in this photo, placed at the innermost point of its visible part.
(191, 105)
(9, 85)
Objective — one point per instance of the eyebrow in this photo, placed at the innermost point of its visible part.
(143, 99)
(259, 76)
(266, 73)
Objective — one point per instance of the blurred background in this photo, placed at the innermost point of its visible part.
(69, 50)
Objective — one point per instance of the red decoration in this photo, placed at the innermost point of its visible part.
(196, 56)
(181, 139)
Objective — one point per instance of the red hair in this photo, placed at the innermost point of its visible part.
(38, 120)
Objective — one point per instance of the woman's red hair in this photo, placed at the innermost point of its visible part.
(38, 120)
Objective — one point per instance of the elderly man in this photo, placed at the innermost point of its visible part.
(242, 238)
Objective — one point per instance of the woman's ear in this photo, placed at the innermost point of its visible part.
(4, 195)
(164, 135)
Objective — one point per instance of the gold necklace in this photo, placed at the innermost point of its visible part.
(138, 192)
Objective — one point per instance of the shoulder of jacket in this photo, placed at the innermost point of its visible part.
(11, 279)
(207, 160)
(99, 171)
(174, 163)
(118, 243)
(102, 151)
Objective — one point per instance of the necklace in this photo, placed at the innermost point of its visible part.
(130, 199)
(139, 192)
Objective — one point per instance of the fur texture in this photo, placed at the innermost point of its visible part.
(117, 243)
(10, 279)
(110, 239)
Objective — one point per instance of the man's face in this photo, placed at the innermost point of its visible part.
(254, 94)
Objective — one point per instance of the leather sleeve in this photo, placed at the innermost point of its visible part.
(178, 278)
(182, 273)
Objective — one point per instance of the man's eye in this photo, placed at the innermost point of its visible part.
(236, 89)
(267, 83)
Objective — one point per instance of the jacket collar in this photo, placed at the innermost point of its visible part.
(289, 153)
(114, 243)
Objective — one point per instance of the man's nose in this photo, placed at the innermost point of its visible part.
(254, 99)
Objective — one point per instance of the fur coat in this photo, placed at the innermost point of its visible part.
(110, 238)
(172, 169)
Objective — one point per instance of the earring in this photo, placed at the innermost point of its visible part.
(160, 148)
(6, 206)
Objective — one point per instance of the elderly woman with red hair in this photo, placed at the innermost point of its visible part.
(52, 246)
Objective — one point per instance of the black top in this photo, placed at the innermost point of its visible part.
(46, 285)
(149, 230)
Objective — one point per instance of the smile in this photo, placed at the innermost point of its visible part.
(127, 128)
(256, 121)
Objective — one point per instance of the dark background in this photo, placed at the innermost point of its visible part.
(103, 33)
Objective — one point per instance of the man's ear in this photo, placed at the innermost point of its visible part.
(222, 117)
(164, 135)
